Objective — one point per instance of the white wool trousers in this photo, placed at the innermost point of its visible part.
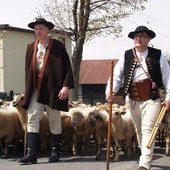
(35, 113)
(144, 115)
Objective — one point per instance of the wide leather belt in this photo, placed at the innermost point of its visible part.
(141, 90)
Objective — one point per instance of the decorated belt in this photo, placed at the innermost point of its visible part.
(141, 90)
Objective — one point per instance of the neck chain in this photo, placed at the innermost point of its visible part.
(41, 53)
(42, 47)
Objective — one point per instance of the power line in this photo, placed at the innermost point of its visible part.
(157, 22)
(151, 21)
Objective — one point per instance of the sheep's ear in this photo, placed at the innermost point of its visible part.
(22, 95)
(107, 110)
(70, 105)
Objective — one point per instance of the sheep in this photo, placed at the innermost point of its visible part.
(10, 128)
(123, 129)
(17, 103)
(78, 104)
(67, 131)
(164, 133)
(44, 130)
(100, 106)
(4, 103)
(82, 132)
(97, 120)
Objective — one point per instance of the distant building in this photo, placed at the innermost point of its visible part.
(13, 43)
(93, 78)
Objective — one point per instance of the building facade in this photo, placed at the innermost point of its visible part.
(93, 78)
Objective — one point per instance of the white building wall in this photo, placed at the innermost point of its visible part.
(14, 49)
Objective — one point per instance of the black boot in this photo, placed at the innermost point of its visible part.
(55, 148)
(31, 157)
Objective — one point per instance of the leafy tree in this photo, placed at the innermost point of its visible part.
(85, 19)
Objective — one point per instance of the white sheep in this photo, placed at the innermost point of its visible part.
(78, 104)
(4, 103)
(123, 130)
(10, 128)
(44, 130)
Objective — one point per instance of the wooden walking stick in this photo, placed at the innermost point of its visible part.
(110, 117)
(156, 126)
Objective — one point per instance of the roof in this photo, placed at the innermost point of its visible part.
(8, 27)
(95, 71)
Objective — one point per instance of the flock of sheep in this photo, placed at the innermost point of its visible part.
(80, 125)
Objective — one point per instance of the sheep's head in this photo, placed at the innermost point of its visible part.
(100, 106)
(77, 119)
(66, 121)
(93, 118)
(73, 104)
(123, 109)
(18, 99)
(115, 112)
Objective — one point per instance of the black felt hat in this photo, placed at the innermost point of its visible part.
(41, 21)
(139, 29)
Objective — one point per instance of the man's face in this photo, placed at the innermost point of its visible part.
(41, 31)
(141, 39)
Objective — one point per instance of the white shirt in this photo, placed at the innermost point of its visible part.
(40, 56)
(139, 73)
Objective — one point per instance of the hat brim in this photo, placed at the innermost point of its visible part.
(48, 24)
(150, 33)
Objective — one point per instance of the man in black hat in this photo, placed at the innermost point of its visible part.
(48, 78)
(145, 71)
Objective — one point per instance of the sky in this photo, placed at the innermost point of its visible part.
(19, 13)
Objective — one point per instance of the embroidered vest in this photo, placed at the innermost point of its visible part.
(153, 65)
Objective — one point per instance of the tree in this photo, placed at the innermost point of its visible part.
(85, 19)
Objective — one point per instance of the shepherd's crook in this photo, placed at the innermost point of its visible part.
(110, 116)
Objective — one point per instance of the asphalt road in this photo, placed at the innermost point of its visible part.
(88, 162)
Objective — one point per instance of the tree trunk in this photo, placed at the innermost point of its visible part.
(76, 61)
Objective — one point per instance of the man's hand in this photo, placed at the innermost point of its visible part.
(167, 104)
(64, 93)
(109, 97)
